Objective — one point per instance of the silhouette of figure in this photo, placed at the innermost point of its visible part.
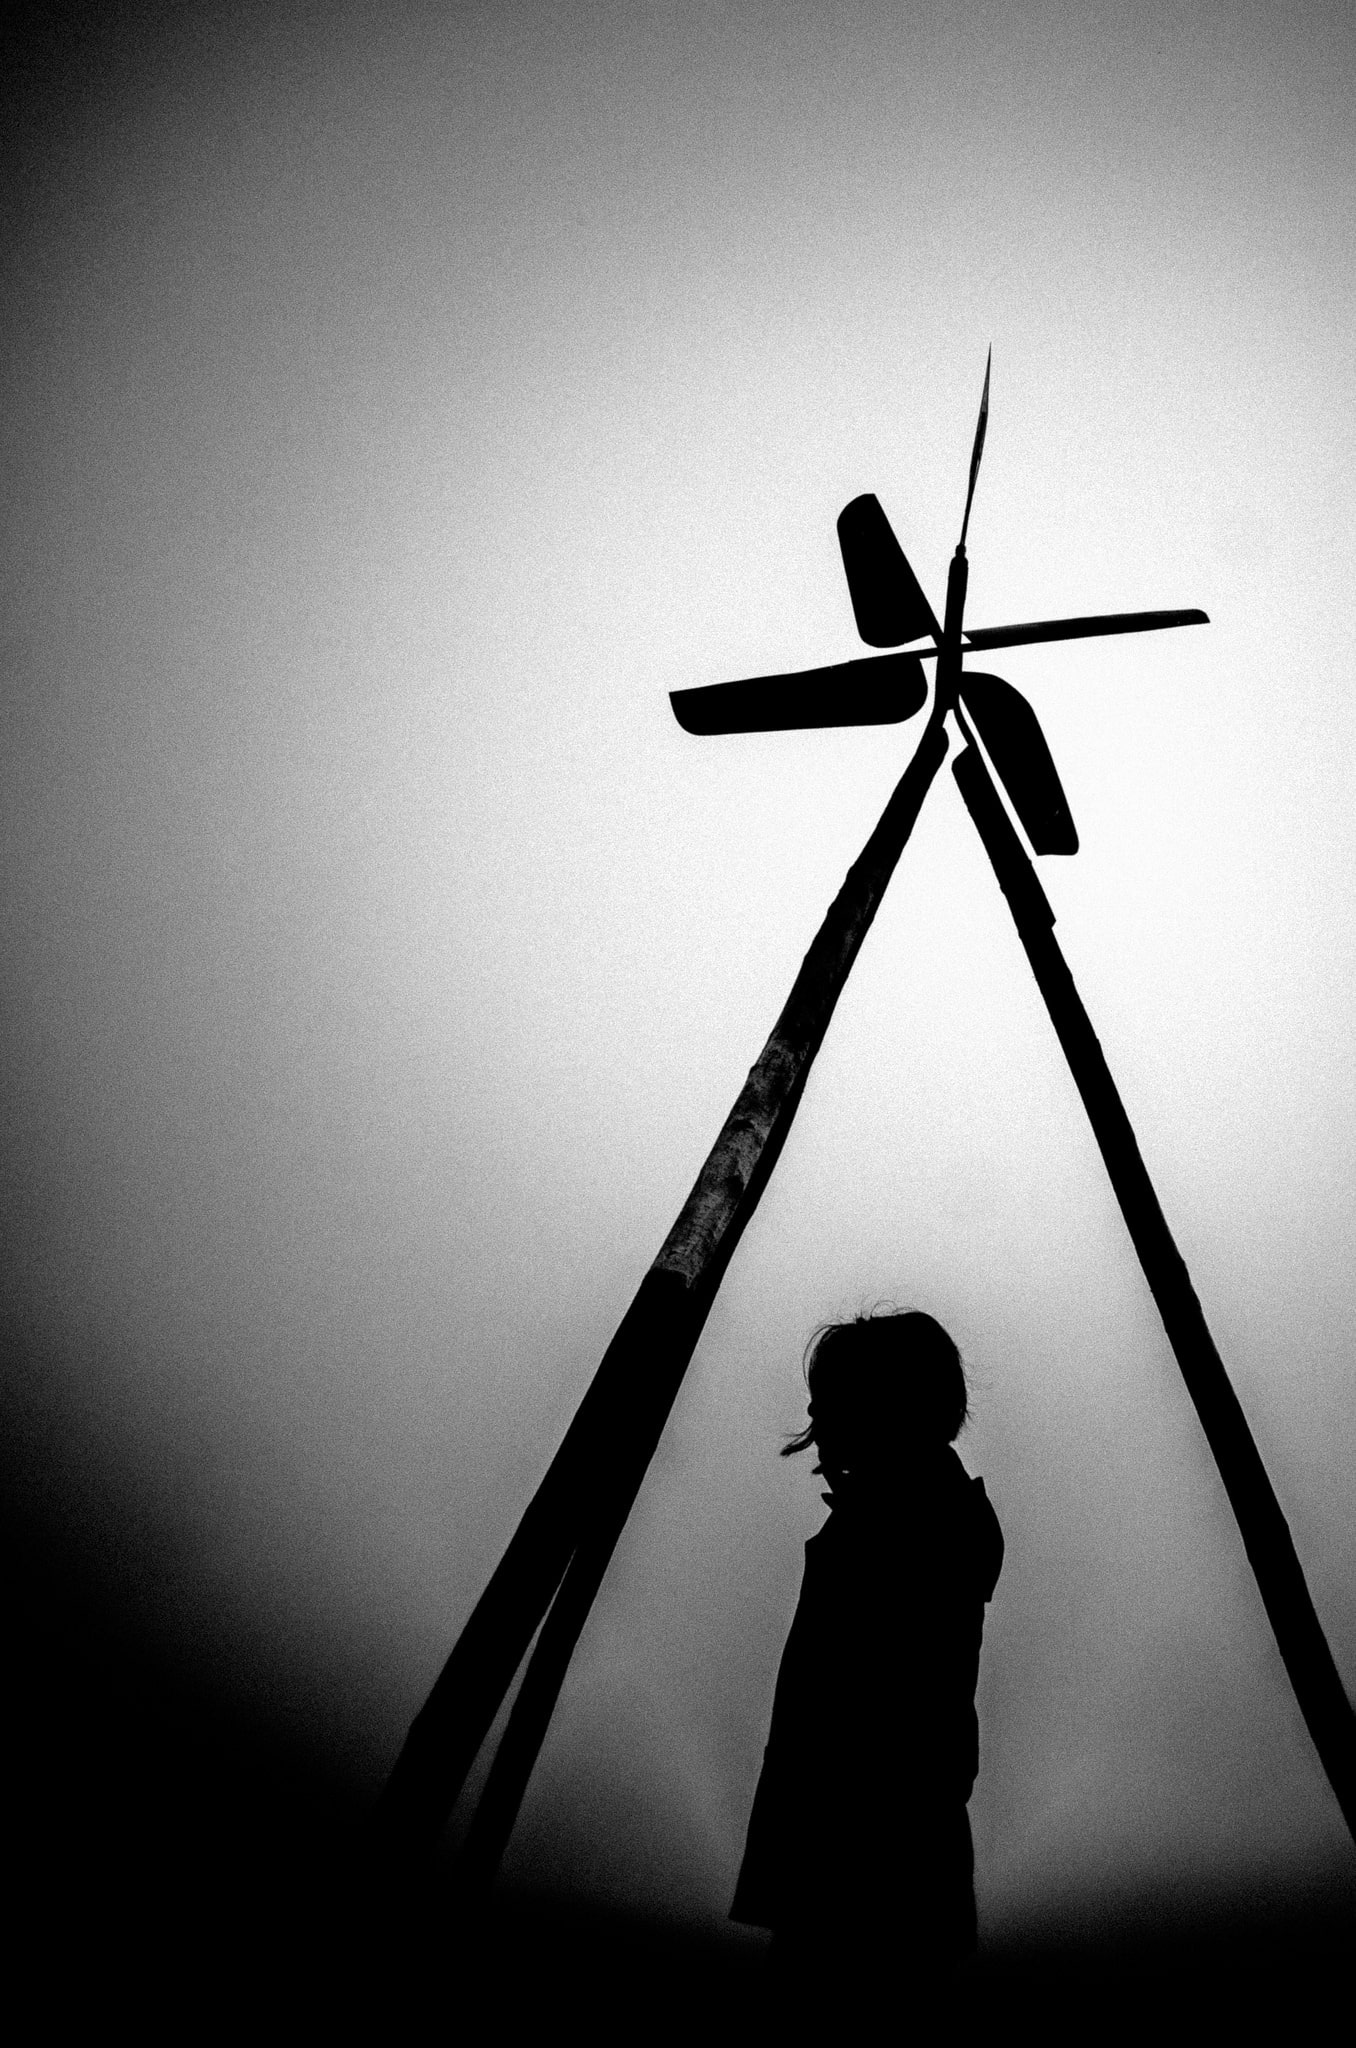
(859, 1855)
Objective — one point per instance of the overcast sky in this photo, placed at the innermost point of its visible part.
(399, 402)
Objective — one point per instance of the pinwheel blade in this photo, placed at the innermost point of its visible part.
(981, 637)
(881, 690)
(1016, 746)
(887, 599)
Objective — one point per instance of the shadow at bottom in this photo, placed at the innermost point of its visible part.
(183, 1874)
(532, 1966)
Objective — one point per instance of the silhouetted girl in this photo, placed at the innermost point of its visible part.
(859, 1855)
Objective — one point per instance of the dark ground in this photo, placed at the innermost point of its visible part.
(184, 1875)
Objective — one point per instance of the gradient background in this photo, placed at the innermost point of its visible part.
(398, 403)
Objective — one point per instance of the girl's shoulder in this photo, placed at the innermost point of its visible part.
(944, 1515)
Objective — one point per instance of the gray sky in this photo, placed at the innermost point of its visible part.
(399, 402)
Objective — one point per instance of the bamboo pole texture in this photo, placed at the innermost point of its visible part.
(565, 1539)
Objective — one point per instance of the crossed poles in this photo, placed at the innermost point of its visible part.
(554, 1564)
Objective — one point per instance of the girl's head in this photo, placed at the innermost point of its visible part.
(880, 1385)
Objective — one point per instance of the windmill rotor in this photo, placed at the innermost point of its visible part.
(891, 610)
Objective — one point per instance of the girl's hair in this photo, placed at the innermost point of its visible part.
(894, 1374)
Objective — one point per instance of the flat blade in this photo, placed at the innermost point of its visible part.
(887, 598)
(881, 690)
(981, 637)
(1016, 745)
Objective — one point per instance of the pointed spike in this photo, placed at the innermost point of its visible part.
(980, 429)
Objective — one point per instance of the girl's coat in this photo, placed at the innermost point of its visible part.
(874, 1743)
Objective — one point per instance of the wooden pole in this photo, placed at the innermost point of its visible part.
(1266, 1536)
(562, 1545)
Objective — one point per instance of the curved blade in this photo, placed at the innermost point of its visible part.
(1016, 745)
(1079, 629)
(887, 599)
(881, 690)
